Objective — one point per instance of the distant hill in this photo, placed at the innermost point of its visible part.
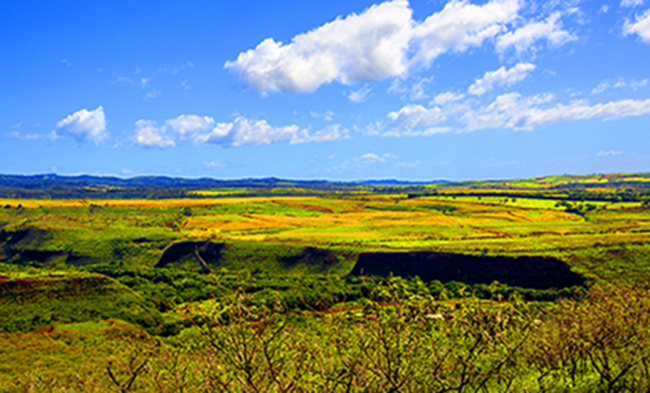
(47, 181)
(86, 186)
(156, 187)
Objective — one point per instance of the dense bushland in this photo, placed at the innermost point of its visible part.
(409, 343)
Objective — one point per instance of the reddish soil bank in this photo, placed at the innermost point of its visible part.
(524, 271)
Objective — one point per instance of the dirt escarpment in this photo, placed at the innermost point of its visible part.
(523, 271)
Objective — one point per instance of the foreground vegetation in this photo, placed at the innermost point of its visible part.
(248, 289)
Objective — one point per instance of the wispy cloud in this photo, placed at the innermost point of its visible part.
(640, 27)
(608, 153)
(152, 94)
(619, 83)
(408, 165)
(631, 3)
(500, 77)
(327, 115)
(416, 91)
(17, 131)
(511, 110)
(525, 113)
(239, 132)
(524, 38)
(359, 95)
(216, 164)
(372, 158)
(447, 97)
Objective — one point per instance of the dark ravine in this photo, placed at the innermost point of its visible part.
(311, 256)
(524, 271)
(201, 253)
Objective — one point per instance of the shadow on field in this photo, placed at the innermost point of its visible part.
(524, 271)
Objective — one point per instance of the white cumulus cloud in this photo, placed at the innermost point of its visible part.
(416, 120)
(641, 27)
(84, 125)
(243, 131)
(190, 124)
(383, 41)
(461, 25)
(415, 116)
(501, 77)
(148, 134)
(365, 47)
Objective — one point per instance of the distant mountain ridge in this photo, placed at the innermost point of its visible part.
(46, 181)
(46, 186)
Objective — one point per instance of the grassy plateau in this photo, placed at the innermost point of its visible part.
(255, 287)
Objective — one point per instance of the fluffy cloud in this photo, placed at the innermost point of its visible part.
(148, 134)
(364, 47)
(370, 46)
(243, 131)
(641, 27)
(524, 37)
(500, 77)
(461, 25)
(416, 120)
(84, 125)
(190, 124)
(239, 132)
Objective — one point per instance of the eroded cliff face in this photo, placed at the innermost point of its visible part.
(523, 271)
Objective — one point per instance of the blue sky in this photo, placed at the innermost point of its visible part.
(339, 90)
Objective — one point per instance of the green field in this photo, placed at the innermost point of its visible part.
(249, 289)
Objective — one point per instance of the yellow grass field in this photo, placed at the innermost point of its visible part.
(373, 222)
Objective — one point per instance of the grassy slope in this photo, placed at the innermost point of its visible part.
(34, 299)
